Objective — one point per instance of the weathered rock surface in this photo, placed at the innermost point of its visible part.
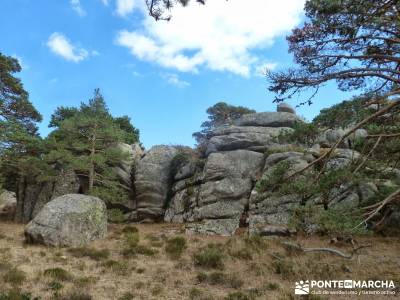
(124, 169)
(8, 204)
(217, 198)
(32, 196)
(253, 138)
(223, 227)
(269, 119)
(153, 180)
(70, 220)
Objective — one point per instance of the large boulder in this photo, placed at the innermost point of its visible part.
(153, 181)
(268, 119)
(8, 204)
(33, 195)
(228, 138)
(71, 220)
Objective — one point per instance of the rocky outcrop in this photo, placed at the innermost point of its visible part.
(8, 204)
(133, 154)
(229, 138)
(269, 119)
(153, 180)
(71, 220)
(32, 195)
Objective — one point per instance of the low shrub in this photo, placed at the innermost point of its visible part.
(239, 295)
(210, 257)
(130, 229)
(14, 276)
(175, 247)
(16, 294)
(127, 296)
(116, 267)
(58, 274)
(92, 253)
(115, 215)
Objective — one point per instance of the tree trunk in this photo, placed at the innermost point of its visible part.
(91, 166)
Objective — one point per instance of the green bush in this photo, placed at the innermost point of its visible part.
(275, 178)
(115, 215)
(211, 257)
(341, 220)
(175, 247)
(302, 133)
(58, 274)
(116, 266)
(16, 294)
(15, 276)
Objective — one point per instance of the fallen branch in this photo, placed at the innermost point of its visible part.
(329, 250)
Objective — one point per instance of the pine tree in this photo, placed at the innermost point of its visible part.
(86, 143)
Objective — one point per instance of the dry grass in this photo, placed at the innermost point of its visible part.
(253, 268)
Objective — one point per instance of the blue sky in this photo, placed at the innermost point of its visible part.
(163, 75)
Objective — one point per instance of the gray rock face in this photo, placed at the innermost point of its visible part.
(284, 107)
(223, 227)
(217, 198)
(268, 119)
(153, 180)
(239, 163)
(124, 170)
(8, 204)
(71, 220)
(329, 137)
(32, 196)
(228, 138)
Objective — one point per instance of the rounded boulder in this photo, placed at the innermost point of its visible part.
(71, 220)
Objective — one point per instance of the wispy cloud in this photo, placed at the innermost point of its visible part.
(105, 2)
(220, 36)
(61, 46)
(173, 79)
(125, 7)
(77, 7)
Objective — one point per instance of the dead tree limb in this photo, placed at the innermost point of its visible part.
(365, 158)
(347, 134)
(377, 207)
(329, 250)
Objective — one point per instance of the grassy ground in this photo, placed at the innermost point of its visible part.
(150, 262)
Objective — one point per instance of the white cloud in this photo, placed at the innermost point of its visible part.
(61, 46)
(77, 7)
(220, 35)
(174, 79)
(105, 2)
(125, 7)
